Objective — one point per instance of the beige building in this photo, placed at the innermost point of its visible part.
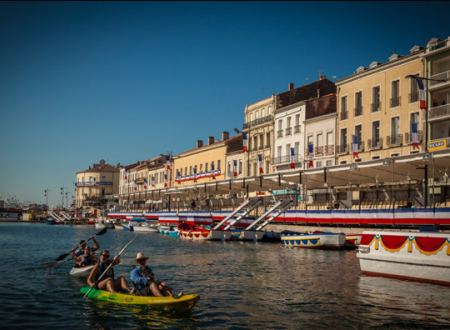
(258, 127)
(95, 183)
(378, 105)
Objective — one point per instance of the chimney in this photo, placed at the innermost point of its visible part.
(322, 77)
(291, 86)
(199, 143)
(210, 140)
(225, 135)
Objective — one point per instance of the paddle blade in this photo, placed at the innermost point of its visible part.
(101, 232)
(51, 264)
(62, 256)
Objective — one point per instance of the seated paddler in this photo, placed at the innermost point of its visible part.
(145, 282)
(87, 259)
(107, 281)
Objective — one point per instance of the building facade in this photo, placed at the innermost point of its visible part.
(377, 105)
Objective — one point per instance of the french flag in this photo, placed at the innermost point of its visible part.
(355, 146)
(422, 97)
(213, 172)
(235, 167)
(414, 136)
(292, 158)
(153, 181)
(261, 171)
(244, 136)
(95, 185)
(145, 183)
(195, 174)
(126, 177)
(165, 180)
(61, 191)
(135, 185)
(45, 191)
(167, 162)
(311, 154)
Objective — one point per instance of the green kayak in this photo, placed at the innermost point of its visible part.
(186, 302)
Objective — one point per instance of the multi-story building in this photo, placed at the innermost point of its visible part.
(289, 122)
(258, 127)
(320, 130)
(378, 104)
(437, 67)
(94, 184)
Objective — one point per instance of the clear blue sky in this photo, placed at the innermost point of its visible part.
(82, 81)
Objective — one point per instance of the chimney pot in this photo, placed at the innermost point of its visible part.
(291, 86)
(210, 140)
(225, 135)
(199, 143)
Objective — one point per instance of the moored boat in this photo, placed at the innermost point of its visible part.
(193, 232)
(415, 256)
(316, 240)
(51, 221)
(102, 224)
(352, 241)
(77, 271)
(172, 231)
(142, 225)
(127, 226)
(184, 303)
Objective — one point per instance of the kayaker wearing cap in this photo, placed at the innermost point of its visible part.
(78, 252)
(107, 282)
(145, 282)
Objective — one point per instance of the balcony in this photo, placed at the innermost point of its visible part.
(438, 45)
(289, 131)
(395, 101)
(375, 107)
(258, 121)
(439, 76)
(297, 129)
(395, 140)
(408, 138)
(261, 147)
(358, 111)
(318, 151)
(342, 149)
(91, 183)
(280, 133)
(139, 180)
(360, 146)
(286, 159)
(413, 97)
(267, 146)
(440, 111)
(374, 144)
(344, 115)
(329, 149)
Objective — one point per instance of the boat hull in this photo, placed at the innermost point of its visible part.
(422, 257)
(221, 235)
(247, 235)
(81, 271)
(323, 241)
(195, 235)
(184, 303)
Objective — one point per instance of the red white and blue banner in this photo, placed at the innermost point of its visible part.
(292, 158)
(414, 136)
(261, 171)
(167, 162)
(422, 96)
(145, 183)
(212, 171)
(153, 181)
(235, 168)
(45, 193)
(126, 177)
(95, 184)
(61, 191)
(165, 180)
(355, 146)
(311, 154)
(245, 142)
(178, 177)
(135, 185)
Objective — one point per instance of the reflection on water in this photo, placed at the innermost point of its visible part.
(242, 286)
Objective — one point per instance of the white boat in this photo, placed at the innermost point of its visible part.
(142, 225)
(221, 235)
(415, 256)
(316, 240)
(103, 224)
(163, 229)
(77, 271)
(127, 226)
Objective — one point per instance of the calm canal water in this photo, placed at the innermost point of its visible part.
(242, 286)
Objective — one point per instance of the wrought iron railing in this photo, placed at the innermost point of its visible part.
(408, 137)
(376, 106)
(344, 115)
(413, 97)
(286, 159)
(280, 133)
(394, 140)
(297, 129)
(329, 149)
(257, 122)
(288, 131)
(342, 149)
(358, 111)
(373, 144)
(395, 101)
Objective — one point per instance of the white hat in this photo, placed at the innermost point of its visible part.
(140, 256)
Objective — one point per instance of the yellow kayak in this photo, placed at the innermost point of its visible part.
(186, 302)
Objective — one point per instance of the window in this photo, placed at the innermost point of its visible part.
(267, 167)
(206, 167)
(376, 99)
(329, 138)
(415, 117)
(343, 138)
(297, 120)
(395, 94)
(358, 104)
(413, 90)
(375, 157)
(343, 162)
(318, 164)
(190, 170)
(268, 139)
(395, 126)
(269, 111)
(257, 114)
(376, 134)
(329, 163)
(319, 140)
(297, 149)
(280, 124)
(288, 150)
(212, 165)
(344, 112)
(229, 168)
(310, 140)
(395, 155)
(288, 122)
(279, 152)
(201, 168)
(240, 166)
(218, 164)
(358, 133)
(262, 113)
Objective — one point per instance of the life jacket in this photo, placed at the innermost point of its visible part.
(87, 260)
(149, 272)
(102, 268)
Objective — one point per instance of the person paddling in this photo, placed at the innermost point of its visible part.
(87, 259)
(145, 282)
(80, 251)
(108, 282)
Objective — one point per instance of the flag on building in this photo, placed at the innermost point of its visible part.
(422, 97)
(292, 158)
(311, 154)
(153, 181)
(195, 174)
(235, 168)
(178, 179)
(95, 184)
(167, 162)
(126, 177)
(145, 183)
(135, 185)
(45, 193)
(66, 195)
(61, 191)
(244, 139)
(261, 170)
(213, 172)
(414, 136)
(355, 146)
(165, 180)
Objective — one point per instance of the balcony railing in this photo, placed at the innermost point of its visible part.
(440, 111)
(297, 129)
(395, 101)
(413, 97)
(288, 131)
(439, 76)
(374, 144)
(139, 180)
(318, 151)
(342, 149)
(344, 115)
(360, 146)
(375, 107)
(408, 137)
(267, 146)
(261, 147)
(280, 133)
(257, 122)
(329, 149)
(438, 45)
(358, 111)
(286, 159)
(395, 140)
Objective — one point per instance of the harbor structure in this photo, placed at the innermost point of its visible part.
(94, 184)
(377, 105)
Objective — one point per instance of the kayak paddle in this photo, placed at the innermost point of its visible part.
(62, 256)
(110, 265)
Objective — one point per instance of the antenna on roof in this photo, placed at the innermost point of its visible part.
(319, 72)
(333, 78)
(262, 88)
(306, 80)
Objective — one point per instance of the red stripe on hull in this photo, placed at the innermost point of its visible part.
(408, 278)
